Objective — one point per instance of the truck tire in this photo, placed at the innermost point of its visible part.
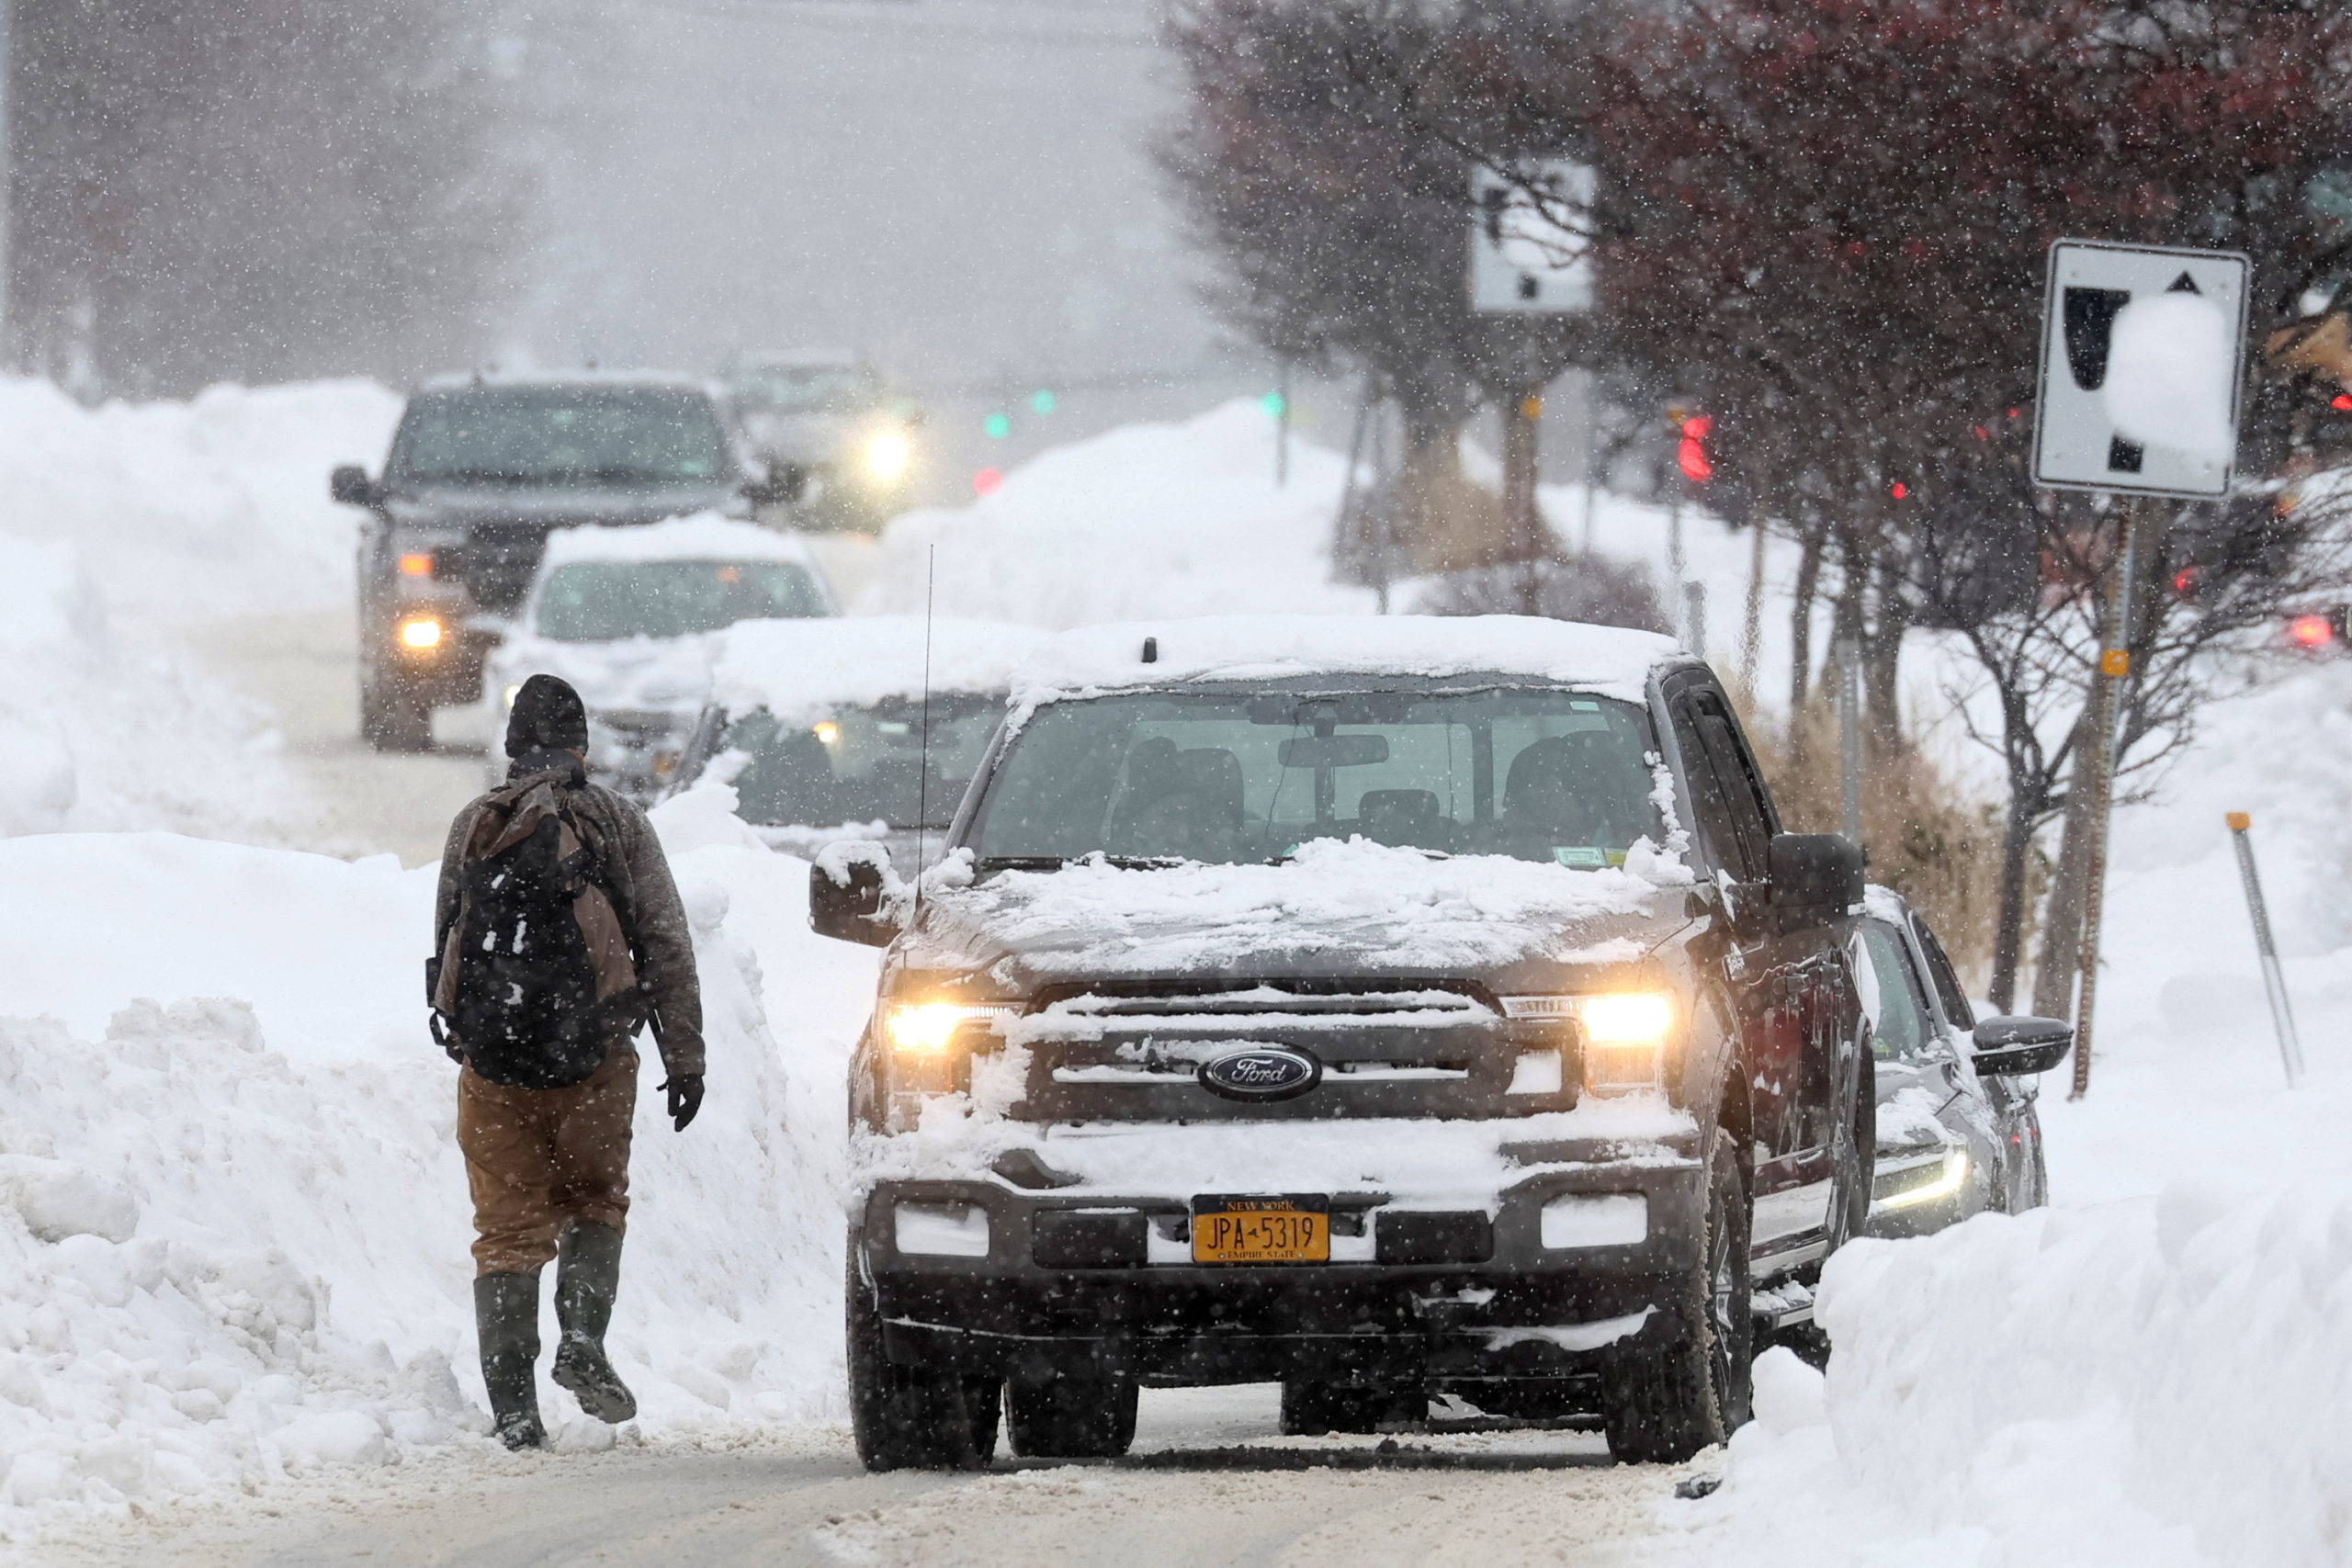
(907, 1417)
(1083, 1416)
(1854, 1160)
(1312, 1407)
(1663, 1404)
(394, 720)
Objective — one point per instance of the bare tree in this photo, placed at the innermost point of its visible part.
(253, 190)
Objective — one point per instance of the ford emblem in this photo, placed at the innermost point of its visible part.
(1261, 1072)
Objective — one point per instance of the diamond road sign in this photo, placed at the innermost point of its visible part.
(1523, 261)
(2141, 354)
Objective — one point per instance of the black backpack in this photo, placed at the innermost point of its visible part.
(537, 978)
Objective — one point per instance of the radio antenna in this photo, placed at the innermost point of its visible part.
(922, 744)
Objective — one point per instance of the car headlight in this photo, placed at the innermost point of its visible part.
(924, 1029)
(886, 456)
(1924, 1183)
(1625, 1034)
(421, 634)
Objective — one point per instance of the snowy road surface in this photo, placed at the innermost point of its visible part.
(303, 666)
(1189, 1497)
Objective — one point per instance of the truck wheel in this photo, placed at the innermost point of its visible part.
(905, 1418)
(1085, 1416)
(394, 720)
(1311, 1407)
(1663, 1405)
(1853, 1161)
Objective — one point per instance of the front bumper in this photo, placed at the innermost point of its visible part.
(1453, 1296)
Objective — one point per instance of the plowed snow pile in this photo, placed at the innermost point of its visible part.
(2156, 1373)
(233, 1223)
(115, 519)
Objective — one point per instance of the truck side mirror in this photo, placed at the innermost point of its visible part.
(784, 482)
(2020, 1047)
(1816, 877)
(350, 486)
(852, 893)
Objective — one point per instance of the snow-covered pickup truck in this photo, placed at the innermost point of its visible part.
(1391, 1007)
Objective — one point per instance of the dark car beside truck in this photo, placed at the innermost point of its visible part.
(1388, 1007)
(481, 469)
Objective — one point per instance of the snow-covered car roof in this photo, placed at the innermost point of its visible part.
(457, 381)
(1608, 661)
(704, 536)
(795, 668)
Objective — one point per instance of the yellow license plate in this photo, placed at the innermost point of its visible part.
(1261, 1230)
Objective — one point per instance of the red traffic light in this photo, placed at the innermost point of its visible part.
(988, 481)
(1691, 457)
(2314, 632)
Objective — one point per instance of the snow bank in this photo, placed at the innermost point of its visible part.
(1146, 520)
(234, 1225)
(217, 506)
(97, 736)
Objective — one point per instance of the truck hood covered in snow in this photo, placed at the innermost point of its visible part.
(1352, 908)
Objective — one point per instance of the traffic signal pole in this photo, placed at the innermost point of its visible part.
(2107, 709)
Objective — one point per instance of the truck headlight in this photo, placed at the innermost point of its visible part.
(1625, 1034)
(924, 1029)
(421, 634)
(886, 456)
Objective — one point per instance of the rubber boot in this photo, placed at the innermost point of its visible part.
(587, 1277)
(506, 1320)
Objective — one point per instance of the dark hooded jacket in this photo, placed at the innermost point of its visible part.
(635, 876)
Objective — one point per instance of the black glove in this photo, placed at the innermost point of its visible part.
(685, 1098)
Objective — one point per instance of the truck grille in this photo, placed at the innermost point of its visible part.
(1387, 1049)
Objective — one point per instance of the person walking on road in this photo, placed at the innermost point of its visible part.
(557, 934)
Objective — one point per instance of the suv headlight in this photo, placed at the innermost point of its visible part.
(1625, 1034)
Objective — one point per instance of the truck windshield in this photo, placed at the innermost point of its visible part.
(804, 389)
(549, 435)
(1536, 774)
(864, 764)
(605, 601)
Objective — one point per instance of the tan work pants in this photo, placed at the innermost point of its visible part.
(541, 1159)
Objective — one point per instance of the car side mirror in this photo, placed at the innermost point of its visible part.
(1816, 877)
(2020, 1047)
(784, 482)
(350, 486)
(853, 893)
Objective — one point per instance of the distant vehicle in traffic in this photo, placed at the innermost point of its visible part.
(631, 617)
(826, 722)
(1959, 1130)
(481, 469)
(1388, 1006)
(830, 416)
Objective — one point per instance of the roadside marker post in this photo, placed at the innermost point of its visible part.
(2274, 981)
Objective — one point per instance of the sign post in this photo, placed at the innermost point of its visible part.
(2141, 350)
(1527, 258)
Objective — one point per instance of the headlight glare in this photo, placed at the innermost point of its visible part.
(886, 454)
(927, 1028)
(421, 634)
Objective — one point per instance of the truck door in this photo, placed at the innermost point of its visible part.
(1795, 982)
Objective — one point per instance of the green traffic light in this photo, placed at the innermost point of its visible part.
(999, 427)
(1273, 403)
(1042, 399)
